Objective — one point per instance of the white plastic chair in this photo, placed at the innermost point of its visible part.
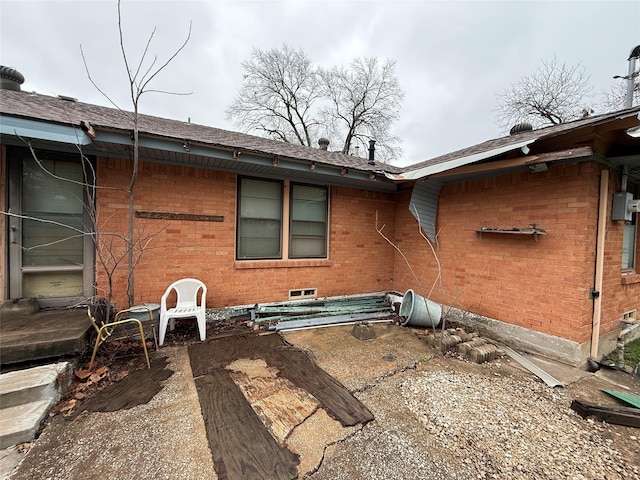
(187, 305)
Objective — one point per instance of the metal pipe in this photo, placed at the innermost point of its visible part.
(372, 150)
(631, 77)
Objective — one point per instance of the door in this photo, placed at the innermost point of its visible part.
(49, 251)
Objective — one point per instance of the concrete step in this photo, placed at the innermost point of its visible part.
(20, 423)
(37, 383)
(26, 396)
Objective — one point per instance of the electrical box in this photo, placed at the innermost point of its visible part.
(619, 210)
(634, 206)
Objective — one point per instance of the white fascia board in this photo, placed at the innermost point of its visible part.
(456, 162)
(634, 132)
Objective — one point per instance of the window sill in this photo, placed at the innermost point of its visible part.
(630, 278)
(257, 264)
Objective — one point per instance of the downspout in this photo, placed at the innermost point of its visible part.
(596, 293)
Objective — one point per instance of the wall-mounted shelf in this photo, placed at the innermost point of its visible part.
(532, 230)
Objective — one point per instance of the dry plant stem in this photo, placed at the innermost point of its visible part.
(379, 230)
(435, 255)
(438, 279)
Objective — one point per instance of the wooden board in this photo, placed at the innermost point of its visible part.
(279, 404)
(627, 416)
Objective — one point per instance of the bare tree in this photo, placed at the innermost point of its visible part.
(364, 102)
(554, 93)
(285, 97)
(277, 96)
(139, 79)
(616, 97)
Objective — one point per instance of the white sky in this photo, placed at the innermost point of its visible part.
(453, 58)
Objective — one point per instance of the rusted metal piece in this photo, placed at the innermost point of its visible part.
(194, 217)
(316, 313)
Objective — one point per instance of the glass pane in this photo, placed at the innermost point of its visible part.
(260, 219)
(52, 243)
(308, 222)
(42, 192)
(252, 207)
(628, 247)
(58, 284)
(309, 203)
(307, 247)
(308, 228)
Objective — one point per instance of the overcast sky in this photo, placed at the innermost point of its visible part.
(453, 57)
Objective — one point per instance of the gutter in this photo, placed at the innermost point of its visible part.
(456, 162)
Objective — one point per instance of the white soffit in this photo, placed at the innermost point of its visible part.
(456, 162)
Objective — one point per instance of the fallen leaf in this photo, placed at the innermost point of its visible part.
(82, 375)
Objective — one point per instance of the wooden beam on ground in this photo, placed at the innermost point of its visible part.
(627, 416)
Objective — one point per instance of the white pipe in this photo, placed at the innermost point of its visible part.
(602, 225)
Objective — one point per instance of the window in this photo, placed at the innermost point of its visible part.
(271, 228)
(259, 219)
(308, 230)
(629, 238)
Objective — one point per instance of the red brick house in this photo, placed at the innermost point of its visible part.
(260, 221)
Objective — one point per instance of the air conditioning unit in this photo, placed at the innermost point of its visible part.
(633, 206)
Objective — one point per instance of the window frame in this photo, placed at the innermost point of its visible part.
(239, 219)
(291, 234)
(286, 207)
(631, 267)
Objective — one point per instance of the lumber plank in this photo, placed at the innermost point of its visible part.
(627, 416)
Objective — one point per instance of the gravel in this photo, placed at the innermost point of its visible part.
(480, 424)
(435, 418)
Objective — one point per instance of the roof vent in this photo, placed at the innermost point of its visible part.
(520, 127)
(10, 78)
(324, 143)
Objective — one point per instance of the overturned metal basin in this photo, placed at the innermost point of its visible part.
(419, 311)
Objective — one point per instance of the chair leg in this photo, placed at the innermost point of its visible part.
(95, 349)
(155, 338)
(144, 344)
(163, 329)
(202, 321)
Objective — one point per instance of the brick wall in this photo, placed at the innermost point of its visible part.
(620, 292)
(359, 259)
(544, 285)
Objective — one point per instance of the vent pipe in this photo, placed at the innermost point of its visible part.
(520, 127)
(323, 143)
(10, 78)
(631, 77)
(372, 152)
